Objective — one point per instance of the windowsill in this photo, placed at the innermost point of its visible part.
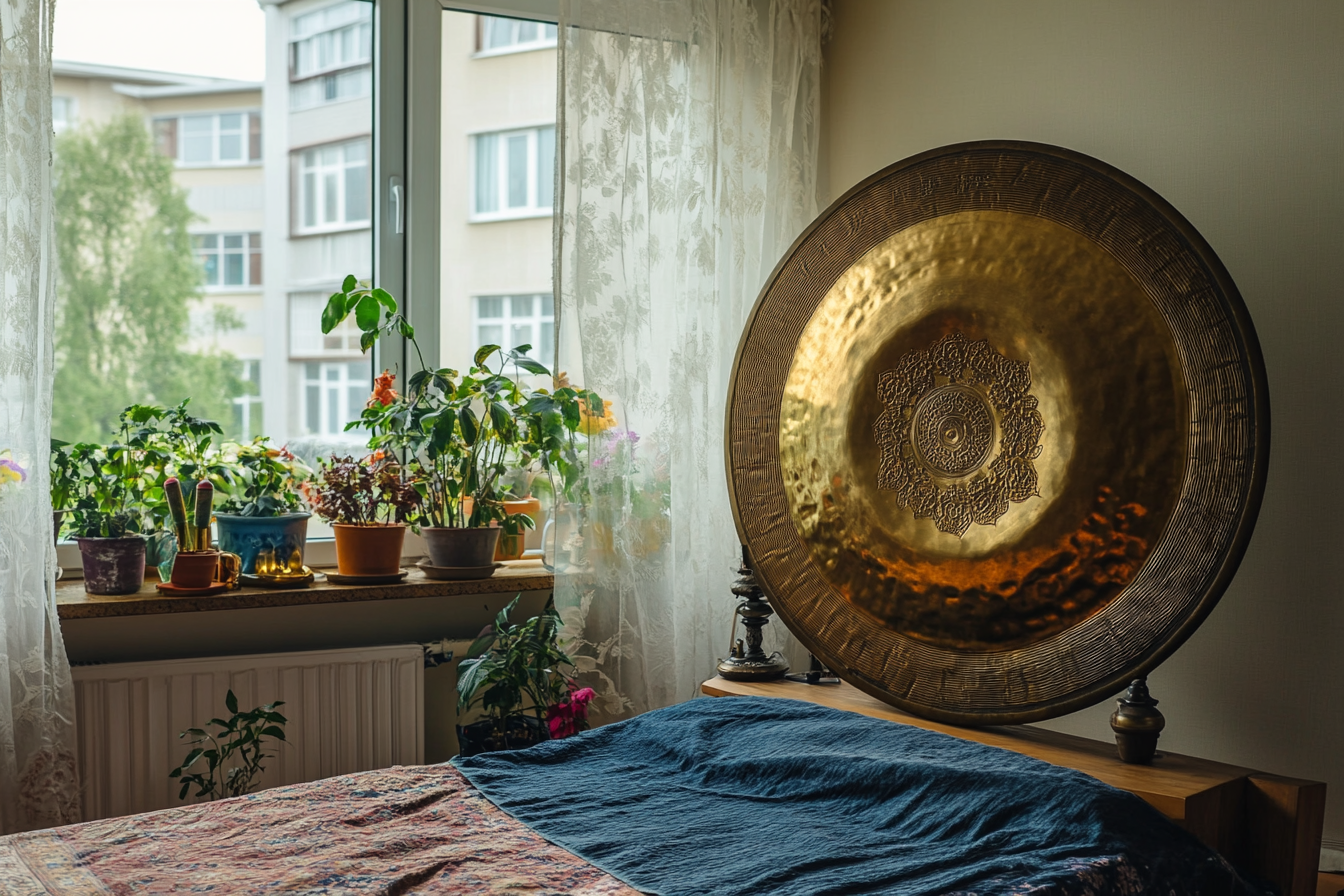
(72, 602)
(514, 50)
(496, 217)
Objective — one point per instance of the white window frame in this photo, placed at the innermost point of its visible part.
(542, 348)
(301, 169)
(215, 132)
(542, 43)
(247, 402)
(247, 252)
(531, 209)
(344, 385)
(309, 89)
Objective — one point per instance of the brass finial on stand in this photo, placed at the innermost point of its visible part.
(1137, 724)
(751, 663)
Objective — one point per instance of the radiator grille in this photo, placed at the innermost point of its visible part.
(348, 711)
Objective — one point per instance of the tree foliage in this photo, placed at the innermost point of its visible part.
(128, 279)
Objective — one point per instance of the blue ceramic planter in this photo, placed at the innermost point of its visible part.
(248, 536)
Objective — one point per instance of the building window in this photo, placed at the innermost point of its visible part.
(62, 113)
(330, 55)
(514, 174)
(247, 421)
(228, 260)
(511, 321)
(334, 394)
(499, 35)
(230, 138)
(334, 187)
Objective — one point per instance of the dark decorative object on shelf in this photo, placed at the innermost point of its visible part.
(816, 673)
(751, 663)
(1137, 724)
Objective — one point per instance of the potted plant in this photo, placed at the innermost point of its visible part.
(107, 515)
(458, 431)
(516, 673)
(367, 502)
(260, 513)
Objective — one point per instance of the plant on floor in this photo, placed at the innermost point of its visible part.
(233, 755)
(517, 670)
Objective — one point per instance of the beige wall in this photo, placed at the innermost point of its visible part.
(510, 90)
(1234, 112)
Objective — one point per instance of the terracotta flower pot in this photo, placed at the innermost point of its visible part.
(511, 547)
(194, 569)
(373, 550)
(113, 565)
(455, 547)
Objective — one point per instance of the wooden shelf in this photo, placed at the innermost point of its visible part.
(73, 602)
(1267, 824)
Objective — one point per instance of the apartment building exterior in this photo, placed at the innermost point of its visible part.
(211, 129)
(498, 146)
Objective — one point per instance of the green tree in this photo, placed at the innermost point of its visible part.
(128, 279)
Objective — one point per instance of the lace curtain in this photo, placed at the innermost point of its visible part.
(687, 166)
(37, 759)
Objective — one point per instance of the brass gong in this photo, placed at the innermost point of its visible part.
(997, 433)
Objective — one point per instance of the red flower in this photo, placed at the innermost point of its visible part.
(570, 715)
(383, 393)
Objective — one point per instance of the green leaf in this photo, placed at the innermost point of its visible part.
(367, 339)
(334, 313)
(405, 329)
(385, 299)
(349, 283)
(466, 418)
(500, 417)
(231, 702)
(530, 365)
(483, 353)
(366, 313)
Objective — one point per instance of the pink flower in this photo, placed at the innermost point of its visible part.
(570, 715)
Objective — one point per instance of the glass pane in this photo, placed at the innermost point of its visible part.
(231, 122)
(548, 306)
(198, 137)
(487, 173)
(356, 152)
(517, 149)
(357, 193)
(254, 268)
(545, 167)
(331, 155)
(545, 348)
(254, 137)
(233, 269)
(490, 306)
(313, 417)
(496, 270)
(331, 209)
(233, 241)
(165, 136)
(231, 147)
(254, 240)
(310, 200)
(210, 267)
(334, 422)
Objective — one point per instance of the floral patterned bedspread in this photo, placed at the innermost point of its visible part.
(421, 830)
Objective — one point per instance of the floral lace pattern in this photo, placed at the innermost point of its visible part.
(37, 770)
(687, 166)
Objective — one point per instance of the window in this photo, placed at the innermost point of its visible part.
(325, 46)
(228, 260)
(62, 113)
(514, 174)
(511, 321)
(334, 394)
(334, 187)
(498, 35)
(230, 138)
(247, 407)
(306, 339)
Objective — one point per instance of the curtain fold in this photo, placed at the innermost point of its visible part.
(38, 785)
(687, 159)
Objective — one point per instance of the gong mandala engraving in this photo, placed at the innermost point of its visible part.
(959, 433)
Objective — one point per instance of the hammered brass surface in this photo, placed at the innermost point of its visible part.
(1100, 361)
(997, 433)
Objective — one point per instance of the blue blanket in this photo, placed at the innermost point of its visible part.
(766, 796)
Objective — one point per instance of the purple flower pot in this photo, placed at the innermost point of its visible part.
(113, 565)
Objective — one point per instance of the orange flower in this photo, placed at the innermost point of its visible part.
(383, 393)
(591, 425)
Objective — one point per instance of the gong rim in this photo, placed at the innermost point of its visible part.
(1218, 351)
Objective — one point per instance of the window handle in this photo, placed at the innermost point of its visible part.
(396, 210)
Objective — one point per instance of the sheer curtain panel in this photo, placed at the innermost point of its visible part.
(687, 157)
(37, 742)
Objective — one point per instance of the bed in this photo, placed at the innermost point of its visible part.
(719, 796)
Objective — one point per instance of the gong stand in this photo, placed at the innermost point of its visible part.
(750, 662)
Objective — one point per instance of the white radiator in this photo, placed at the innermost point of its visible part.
(347, 710)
